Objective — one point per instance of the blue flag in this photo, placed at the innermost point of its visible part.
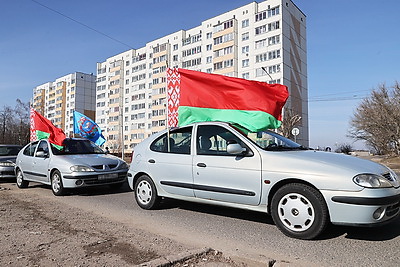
(87, 128)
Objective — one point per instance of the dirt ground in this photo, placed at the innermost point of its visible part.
(34, 232)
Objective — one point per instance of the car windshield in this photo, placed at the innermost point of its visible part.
(271, 141)
(77, 146)
(9, 150)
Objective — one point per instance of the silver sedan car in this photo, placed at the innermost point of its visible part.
(303, 190)
(79, 163)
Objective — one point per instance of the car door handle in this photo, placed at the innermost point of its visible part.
(151, 161)
(201, 165)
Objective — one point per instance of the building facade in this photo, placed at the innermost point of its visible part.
(263, 41)
(57, 100)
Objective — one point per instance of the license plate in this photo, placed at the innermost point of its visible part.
(108, 176)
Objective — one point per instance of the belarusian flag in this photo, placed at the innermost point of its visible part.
(42, 128)
(197, 96)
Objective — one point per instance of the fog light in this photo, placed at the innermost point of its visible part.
(378, 213)
(79, 182)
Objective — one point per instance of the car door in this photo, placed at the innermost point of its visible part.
(170, 162)
(25, 160)
(40, 162)
(218, 175)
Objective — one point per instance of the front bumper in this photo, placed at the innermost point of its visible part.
(368, 207)
(7, 172)
(83, 179)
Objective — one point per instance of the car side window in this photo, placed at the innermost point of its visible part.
(213, 140)
(30, 150)
(177, 142)
(43, 146)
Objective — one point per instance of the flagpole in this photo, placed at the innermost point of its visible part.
(167, 107)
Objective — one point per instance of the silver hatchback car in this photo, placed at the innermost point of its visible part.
(303, 190)
(80, 163)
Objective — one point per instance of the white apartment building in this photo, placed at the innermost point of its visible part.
(263, 41)
(57, 100)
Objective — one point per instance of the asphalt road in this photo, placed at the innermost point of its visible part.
(240, 233)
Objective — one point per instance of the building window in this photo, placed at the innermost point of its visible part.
(245, 63)
(175, 47)
(209, 47)
(209, 59)
(209, 35)
(245, 49)
(245, 36)
(246, 75)
(245, 23)
(225, 25)
(267, 13)
(274, 40)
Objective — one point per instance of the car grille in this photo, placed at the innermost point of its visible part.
(95, 181)
(393, 210)
(105, 167)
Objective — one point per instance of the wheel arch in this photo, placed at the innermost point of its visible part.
(52, 171)
(137, 175)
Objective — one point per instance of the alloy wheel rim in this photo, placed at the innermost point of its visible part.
(296, 212)
(19, 178)
(56, 183)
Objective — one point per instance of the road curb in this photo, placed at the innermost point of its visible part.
(173, 259)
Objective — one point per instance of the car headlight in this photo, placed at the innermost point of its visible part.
(6, 164)
(124, 166)
(81, 168)
(371, 181)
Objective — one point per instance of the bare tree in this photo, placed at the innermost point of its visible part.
(22, 112)
(377, 120)
(14, 124)
(290, 119)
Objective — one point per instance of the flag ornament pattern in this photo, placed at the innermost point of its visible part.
(87, 128)
(173, 94)
(251, 105)
(42, 128)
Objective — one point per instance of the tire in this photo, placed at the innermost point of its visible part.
(21, 182)
(146, 193)
(56, 184)
(299, 211)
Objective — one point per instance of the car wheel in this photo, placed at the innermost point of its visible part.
(146, 193)
(56, 184)
(299, 211)
(21, 182)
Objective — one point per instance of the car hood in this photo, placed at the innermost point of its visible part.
(326, 169)
(318, 160)
(90, 159)
(8, 158)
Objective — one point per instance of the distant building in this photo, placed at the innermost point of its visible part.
(57, 100)
(263, 41)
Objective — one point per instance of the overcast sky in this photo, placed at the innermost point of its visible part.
(353, 46)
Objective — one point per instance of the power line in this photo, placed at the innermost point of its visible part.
(82, 24)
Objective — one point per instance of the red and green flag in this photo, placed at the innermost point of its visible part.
(42, 128)
(197, 96)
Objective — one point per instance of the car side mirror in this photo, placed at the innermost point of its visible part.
(41, 154)
(235, 149)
